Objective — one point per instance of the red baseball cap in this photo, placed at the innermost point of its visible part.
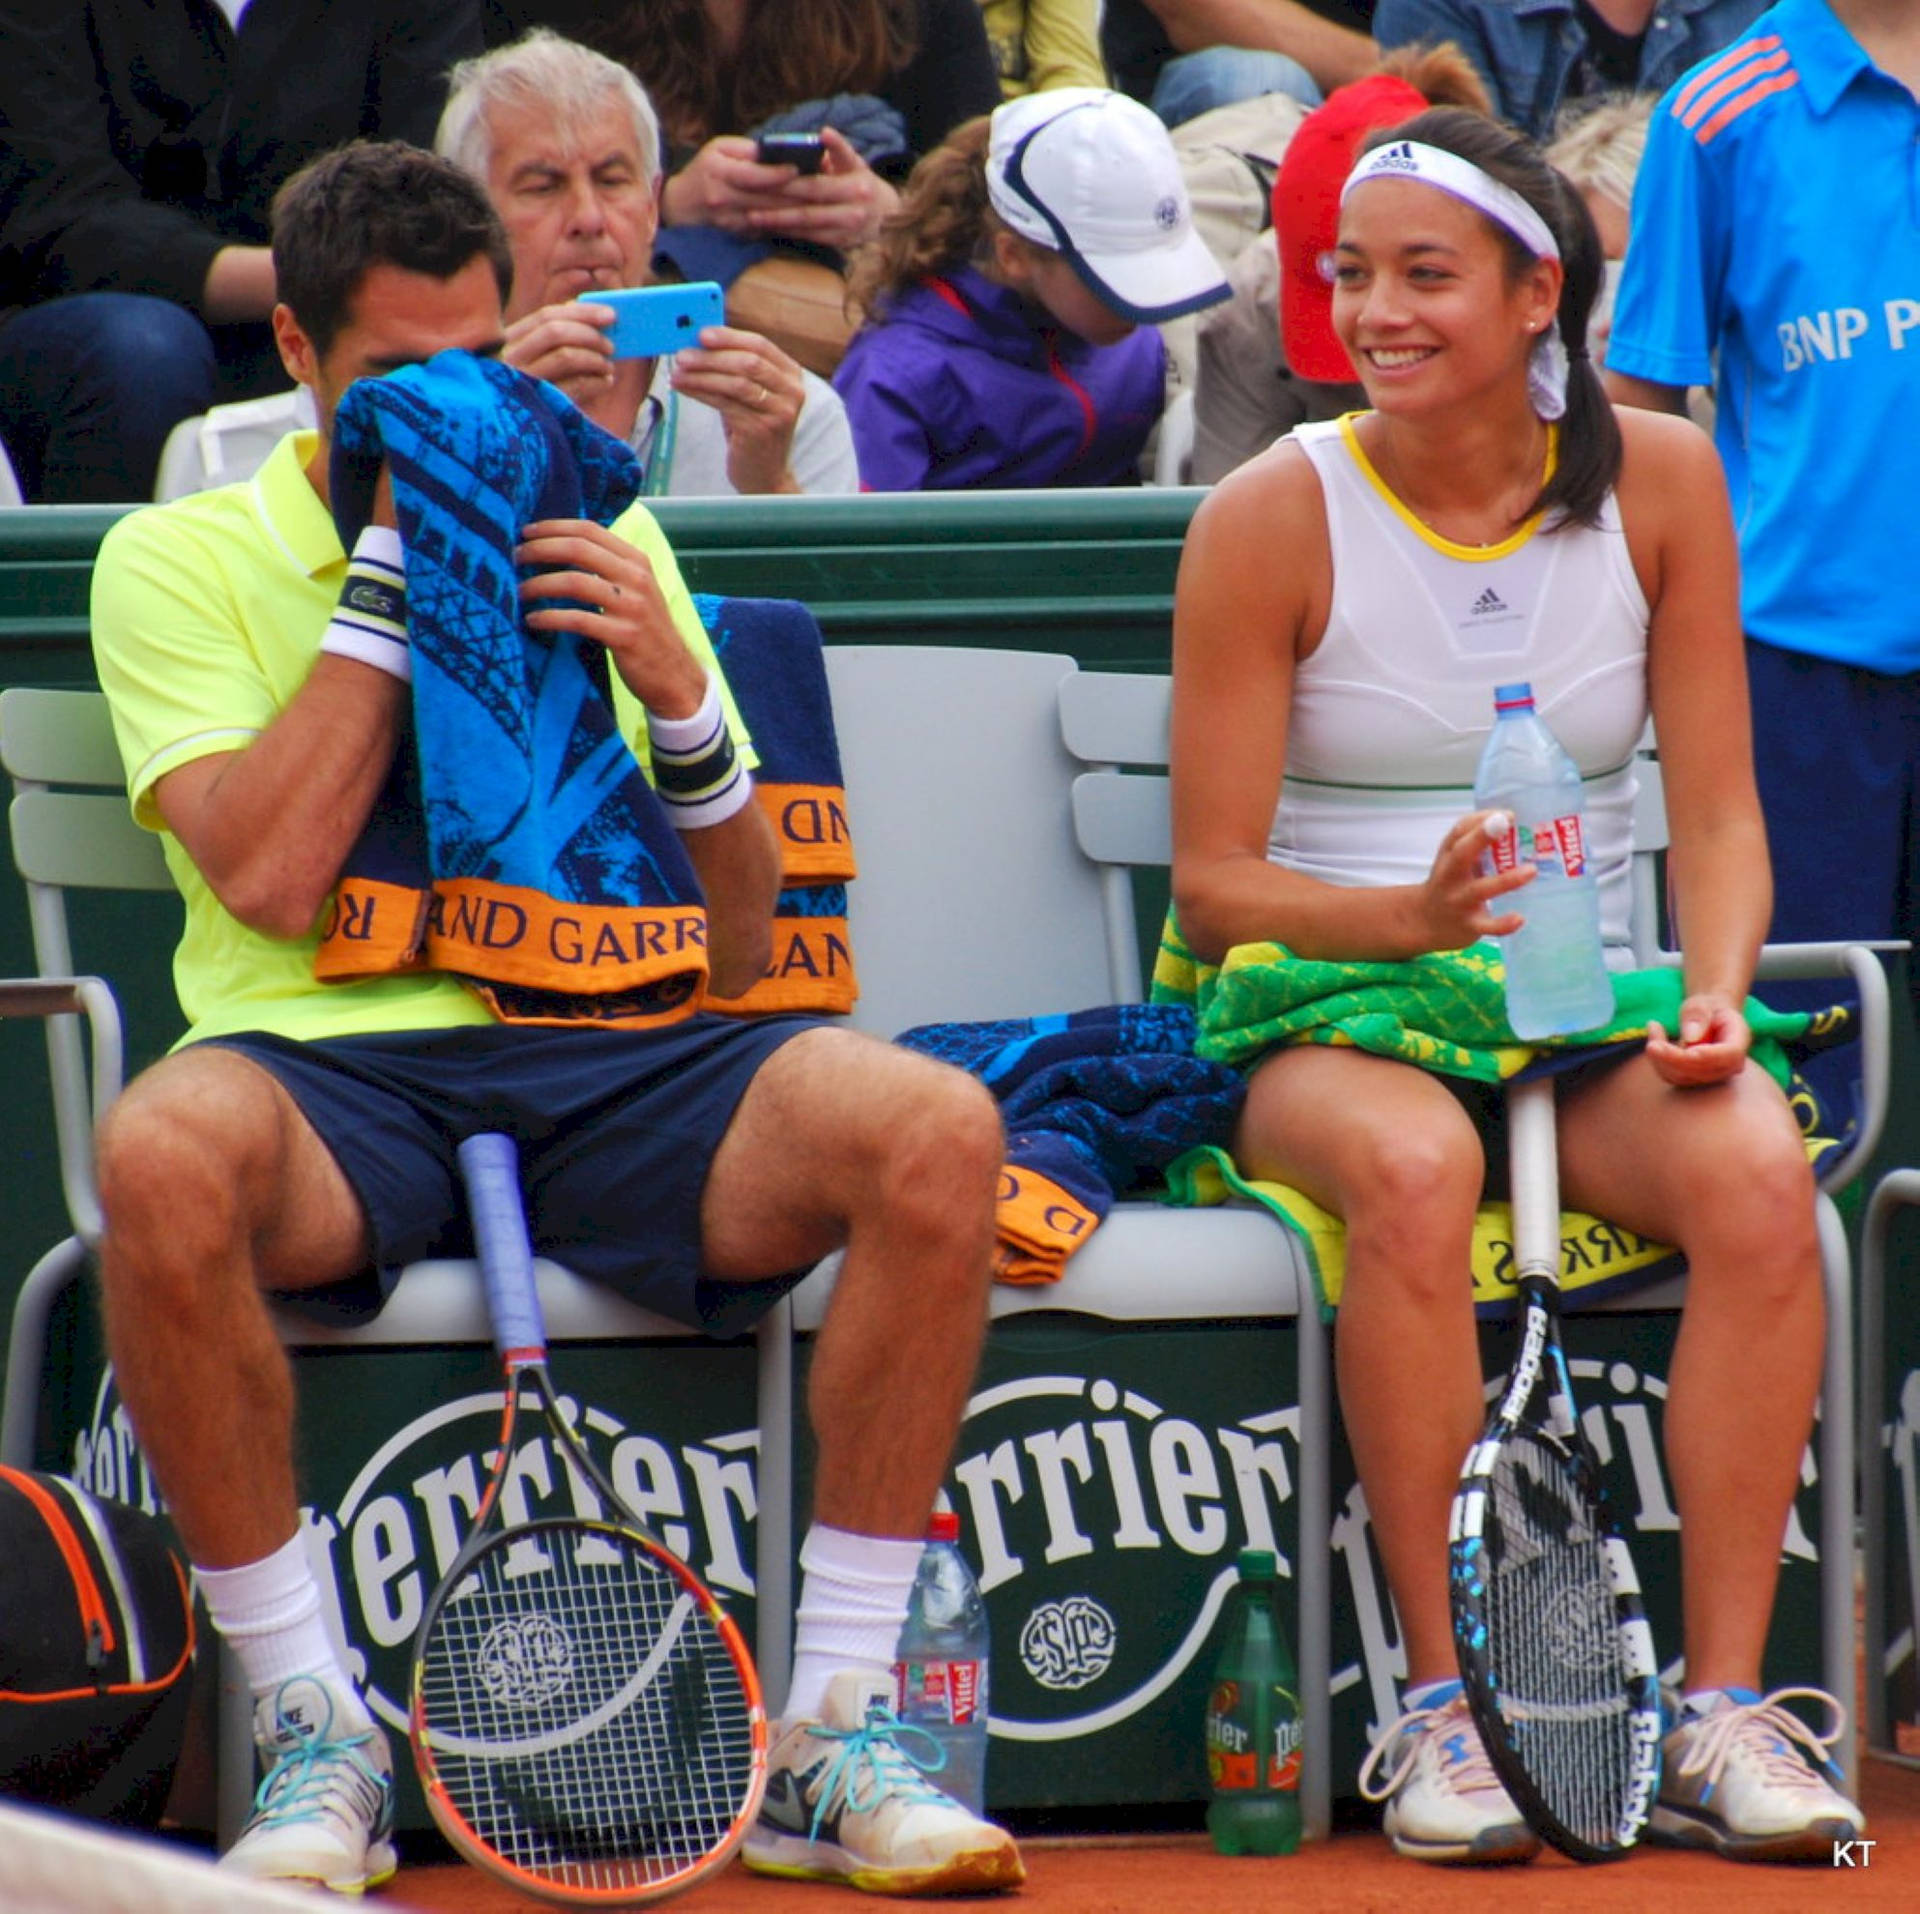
(1306, 214)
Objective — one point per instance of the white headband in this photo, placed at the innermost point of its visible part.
(1449, 173)
(1431, 166)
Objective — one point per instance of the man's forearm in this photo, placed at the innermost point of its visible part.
(738, 864)
(1333, 54)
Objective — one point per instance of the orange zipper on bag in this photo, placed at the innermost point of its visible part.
(94, 1617)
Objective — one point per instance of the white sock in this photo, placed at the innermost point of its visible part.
(853, 1600)
(268, 1612)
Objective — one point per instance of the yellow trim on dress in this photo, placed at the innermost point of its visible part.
(1471, 554)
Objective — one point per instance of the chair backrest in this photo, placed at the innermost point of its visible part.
(69, 822)
(973, 900)
(1118, 726)
(230, 442)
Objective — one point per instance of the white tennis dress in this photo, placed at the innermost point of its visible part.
(1392, 709)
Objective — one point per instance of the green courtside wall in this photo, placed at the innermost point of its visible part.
(1085, 573)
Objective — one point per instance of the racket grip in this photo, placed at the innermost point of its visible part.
(490, 1168)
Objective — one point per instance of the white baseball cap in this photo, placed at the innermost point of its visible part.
(1093, 175)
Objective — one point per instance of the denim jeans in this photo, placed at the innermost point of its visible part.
(91, 384)
(1194, 83)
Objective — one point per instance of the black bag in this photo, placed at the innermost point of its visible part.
(96, 1652)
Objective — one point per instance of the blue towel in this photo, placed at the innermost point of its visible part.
(771, 653)
(1097, 1104)
(517, 843)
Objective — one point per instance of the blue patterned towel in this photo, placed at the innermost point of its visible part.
(517, 843)
(770, 650)
(1097, 1104)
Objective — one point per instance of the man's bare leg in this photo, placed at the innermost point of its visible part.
(844, 1140)
(215, 1185)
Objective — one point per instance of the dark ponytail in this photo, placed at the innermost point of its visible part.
(1589, 457)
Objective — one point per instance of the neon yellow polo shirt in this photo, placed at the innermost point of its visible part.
(207, 617)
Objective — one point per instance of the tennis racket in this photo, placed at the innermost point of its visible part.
(1554, 1648)
(586, 1721)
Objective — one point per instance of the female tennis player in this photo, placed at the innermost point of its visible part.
(1346, 603)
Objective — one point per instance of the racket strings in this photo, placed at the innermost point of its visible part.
(1559, 1667)
(585, 1715)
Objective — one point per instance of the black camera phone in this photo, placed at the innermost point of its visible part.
(807, 151)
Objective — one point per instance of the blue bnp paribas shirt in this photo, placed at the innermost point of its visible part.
(1776, 220)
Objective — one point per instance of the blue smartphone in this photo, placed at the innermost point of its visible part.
(651, 320)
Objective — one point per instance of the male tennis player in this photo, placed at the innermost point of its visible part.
(300, 1139)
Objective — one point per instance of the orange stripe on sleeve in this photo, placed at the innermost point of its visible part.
(1734, 56)
(1733, 109)
(1732, 84)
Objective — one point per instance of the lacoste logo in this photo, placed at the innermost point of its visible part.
(1488, 601)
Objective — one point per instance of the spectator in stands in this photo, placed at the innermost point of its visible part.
(1537, 57)
(567, 146)
(1268, 357)
(883, 81)
(1010, 301)
(301, 1138)
(1598, 148)
(140, 145)
(1186, 57)
(1038, 44)
(1331, 698)
(1776, 255)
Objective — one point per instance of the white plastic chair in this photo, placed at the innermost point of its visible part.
(974, 901)
(228, 442)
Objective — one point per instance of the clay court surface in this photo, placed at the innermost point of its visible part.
(1355, 1869)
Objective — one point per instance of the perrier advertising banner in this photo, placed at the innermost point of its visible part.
(1106, 1477)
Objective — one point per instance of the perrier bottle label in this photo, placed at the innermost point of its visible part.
(1235, 1754)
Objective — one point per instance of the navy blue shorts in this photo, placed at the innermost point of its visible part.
(617, 1130)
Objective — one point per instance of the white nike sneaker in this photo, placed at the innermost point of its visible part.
(1444, 1801)
(844, 1803)
(324, 1813)
(1749, 1779)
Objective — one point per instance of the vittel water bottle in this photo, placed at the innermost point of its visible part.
(1557, 979)
(940, 1670)
(1253, 1720)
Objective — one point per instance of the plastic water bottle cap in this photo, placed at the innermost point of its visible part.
(944, 1527)
(1257, 1565)
(1514, 697)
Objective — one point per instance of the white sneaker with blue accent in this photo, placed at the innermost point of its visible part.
(324, 1812)
(1747, 1777)
(845, 1803)
(1444, 1801)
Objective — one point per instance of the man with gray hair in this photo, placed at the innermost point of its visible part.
(567, 145)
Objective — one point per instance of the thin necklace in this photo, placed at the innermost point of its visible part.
(1471, 544)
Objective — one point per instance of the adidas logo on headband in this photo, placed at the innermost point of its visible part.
(1398, 156)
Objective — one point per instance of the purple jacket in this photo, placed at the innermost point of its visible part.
(959, 386)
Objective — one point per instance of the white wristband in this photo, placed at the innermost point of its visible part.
(369, 623)
(696, 773)
(682, 737)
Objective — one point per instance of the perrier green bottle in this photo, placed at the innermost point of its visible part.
(1253, 1720)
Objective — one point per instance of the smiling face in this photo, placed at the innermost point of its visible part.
(578, 202)
(1425, 300)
